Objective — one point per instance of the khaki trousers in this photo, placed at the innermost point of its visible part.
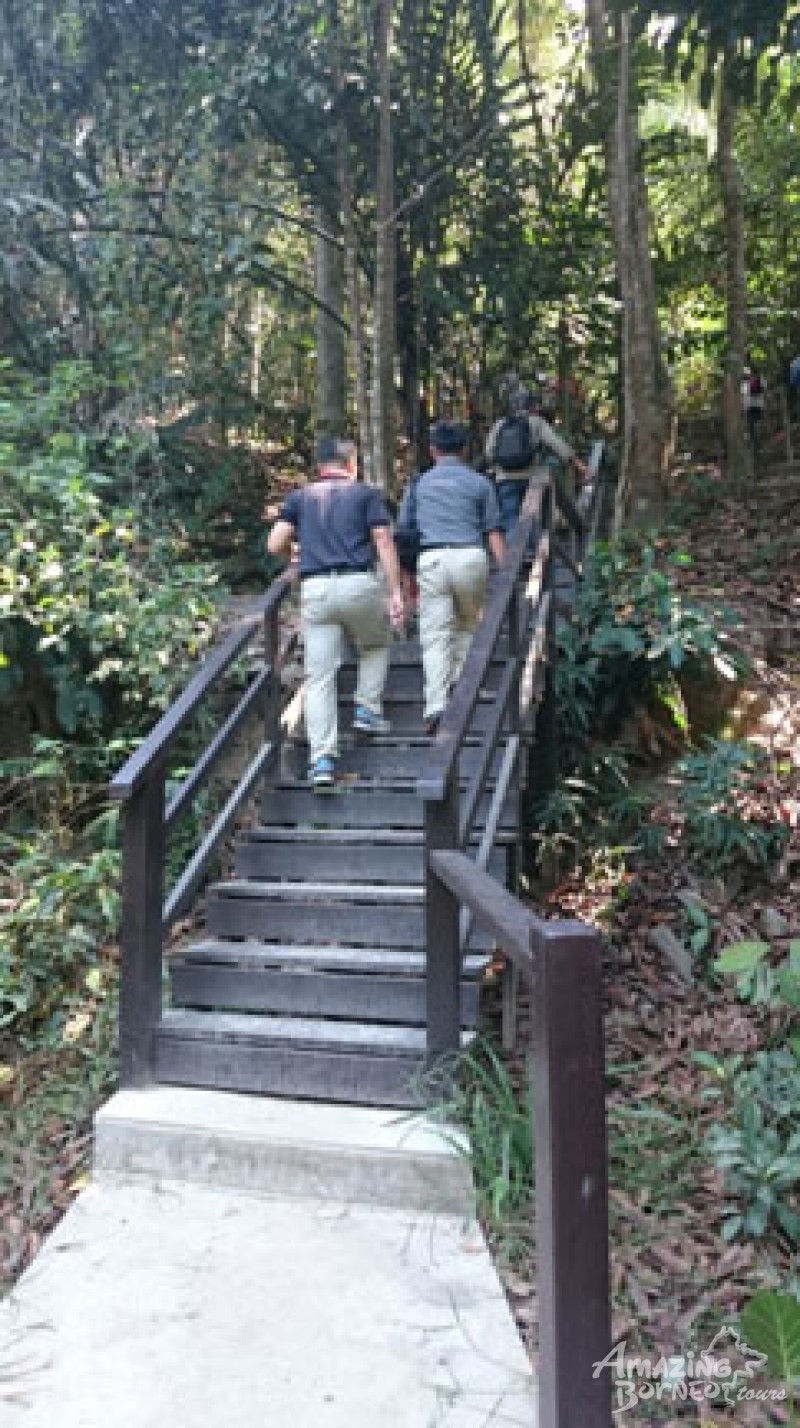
(351, 603)
(452, 588)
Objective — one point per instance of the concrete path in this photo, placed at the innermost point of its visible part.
(170, 1303)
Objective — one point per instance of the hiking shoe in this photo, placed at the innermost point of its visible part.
(321, 774)
(369, 723)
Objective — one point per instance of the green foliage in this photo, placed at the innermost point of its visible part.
(757, 980)
(498, 1124)
(60, 906)
(714, 787)
(757, 1148)
(771, 1326)
(96, 613)
(634, 636)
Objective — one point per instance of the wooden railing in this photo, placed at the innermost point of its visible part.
(513, 657)
(147, 912)
(562, 963)
(516, 637)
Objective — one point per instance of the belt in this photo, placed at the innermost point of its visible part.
(338, 570)
(452, 545)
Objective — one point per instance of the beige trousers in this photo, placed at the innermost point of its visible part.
(452, 588)
(333, 605)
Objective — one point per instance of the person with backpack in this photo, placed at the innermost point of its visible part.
(753, 402)
(449, 515)
(341, 526)
(512, 449)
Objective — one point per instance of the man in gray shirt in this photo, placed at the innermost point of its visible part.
(456, 514)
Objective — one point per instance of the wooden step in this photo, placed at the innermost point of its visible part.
(362, 806)
(405, 717)
(332, 854)
(395, 764)
(355, 914)
(237, 977)
(405, 681)
(320, 1060)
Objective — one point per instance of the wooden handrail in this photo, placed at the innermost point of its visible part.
(562, 962)
(152, 750)
(141, 787)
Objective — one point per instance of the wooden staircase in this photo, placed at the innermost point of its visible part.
(310, 980)
(332, 964)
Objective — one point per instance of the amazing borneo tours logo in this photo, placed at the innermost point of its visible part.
(723, 1374)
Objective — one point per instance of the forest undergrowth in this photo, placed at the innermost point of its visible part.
(674, 829)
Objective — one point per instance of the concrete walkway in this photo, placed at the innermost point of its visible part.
(325, 1294)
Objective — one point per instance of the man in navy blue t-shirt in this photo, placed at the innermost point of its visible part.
(341, 527)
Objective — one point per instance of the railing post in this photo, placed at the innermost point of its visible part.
(542, 760)
(142, 928)
(442, 937)
(571, 1177)
(272, 690)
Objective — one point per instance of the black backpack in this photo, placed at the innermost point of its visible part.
(513, 448)
(407, 536)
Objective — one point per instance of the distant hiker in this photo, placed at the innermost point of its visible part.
(512, 450)
(455, 513)
(794, 385)
(341, 526)
(753, 400)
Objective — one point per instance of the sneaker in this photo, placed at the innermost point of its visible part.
(321, 774)
(431, 725)
(369, 723)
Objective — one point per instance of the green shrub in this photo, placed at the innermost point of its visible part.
(757, 1148)
(714, 788)
(97, 613)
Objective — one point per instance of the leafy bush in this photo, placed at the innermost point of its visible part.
(758, 1146)
(96, 612)
(99, 615)
(633, 635)
(715, 787)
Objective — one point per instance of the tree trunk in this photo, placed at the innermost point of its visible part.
(331, 374)
(344, 179)
(646, 389)
(737, 453)
(384, 302)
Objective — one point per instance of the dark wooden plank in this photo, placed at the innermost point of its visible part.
(290, 1071)
(382, 961)
(502, 915)
(571, 1176)
(405, 681)
(442, 939)
(352, 996)
(395, 764)
(296, 805)
(142, 938)
(295, 920)
(310, 858)
(372, 861)
(292, 918)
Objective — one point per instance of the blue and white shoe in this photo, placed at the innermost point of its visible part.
(368, 723)
(321, 774)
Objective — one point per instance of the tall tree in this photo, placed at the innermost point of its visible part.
(646, 389)
(384, 318)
